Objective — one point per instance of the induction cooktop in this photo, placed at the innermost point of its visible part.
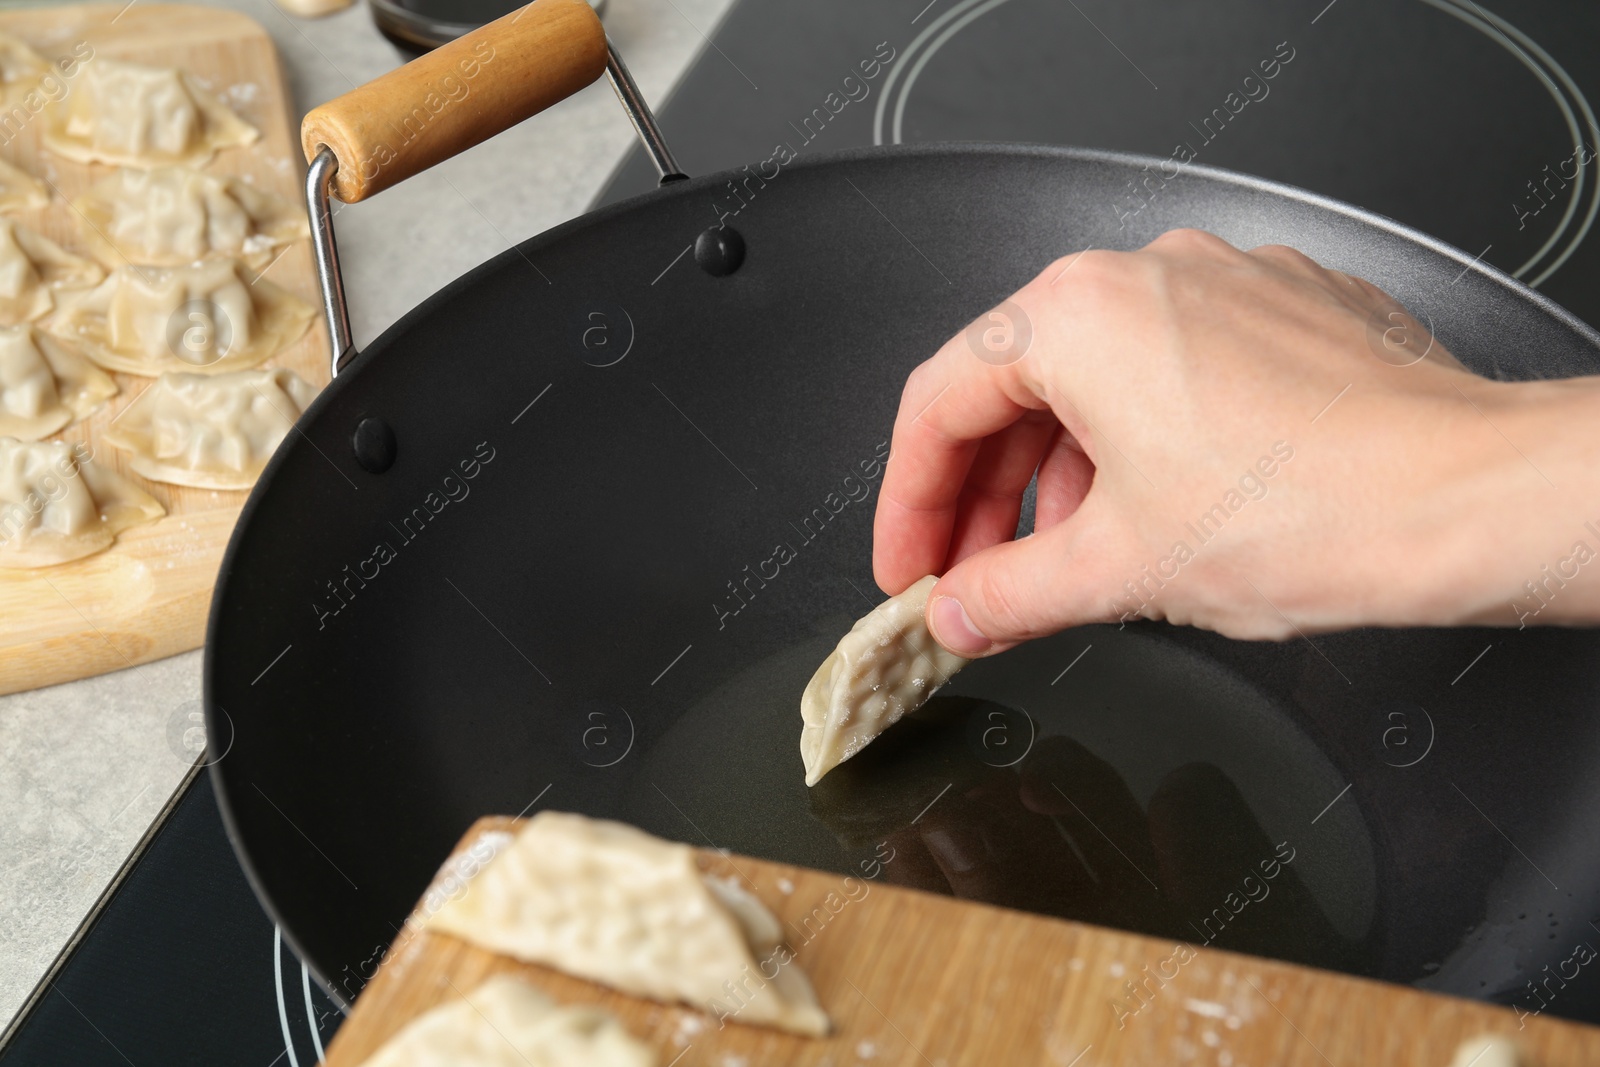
(1474, 122)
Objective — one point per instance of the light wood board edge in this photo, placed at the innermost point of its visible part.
(917, 979)
(148, 595)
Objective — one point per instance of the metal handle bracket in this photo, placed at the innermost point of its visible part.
(319, 196)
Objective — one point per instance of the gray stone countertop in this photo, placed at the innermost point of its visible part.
(85, 767)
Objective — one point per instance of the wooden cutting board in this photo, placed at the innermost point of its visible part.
(911, 978)
(147, 596)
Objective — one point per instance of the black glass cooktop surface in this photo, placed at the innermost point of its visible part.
(1472, 122)
(180, 966)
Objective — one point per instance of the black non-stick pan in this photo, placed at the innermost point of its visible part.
(575, 532)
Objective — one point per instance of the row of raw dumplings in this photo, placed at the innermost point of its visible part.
(170, 290)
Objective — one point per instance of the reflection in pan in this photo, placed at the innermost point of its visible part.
(1157, 792)
(1062, 834)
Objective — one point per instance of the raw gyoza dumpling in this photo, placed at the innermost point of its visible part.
(201, 317)
(506, 1022)
(213, 431)
(21, 68)
(45, 385)
(608, 902)
(32, 267)
(174, 215)
(56, 505)
(19, 190)
(886, 666)
(142, 116)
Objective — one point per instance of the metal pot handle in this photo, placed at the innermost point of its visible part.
(445, 102)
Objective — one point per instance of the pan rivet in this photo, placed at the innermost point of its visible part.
(719, 250)
(374, 445)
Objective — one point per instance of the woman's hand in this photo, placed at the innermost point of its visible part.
(1240, 441)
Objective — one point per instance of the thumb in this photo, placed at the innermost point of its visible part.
(1018, 590)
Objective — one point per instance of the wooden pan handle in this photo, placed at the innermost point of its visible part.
(457, 95)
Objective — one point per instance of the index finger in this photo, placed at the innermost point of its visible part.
(951, 403)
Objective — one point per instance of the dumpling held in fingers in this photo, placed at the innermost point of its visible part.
(887, 666)
(213, 431)
(45, 385)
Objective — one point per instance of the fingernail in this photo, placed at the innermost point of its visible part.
(953, 628)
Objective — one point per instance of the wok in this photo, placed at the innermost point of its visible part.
(575, 532)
